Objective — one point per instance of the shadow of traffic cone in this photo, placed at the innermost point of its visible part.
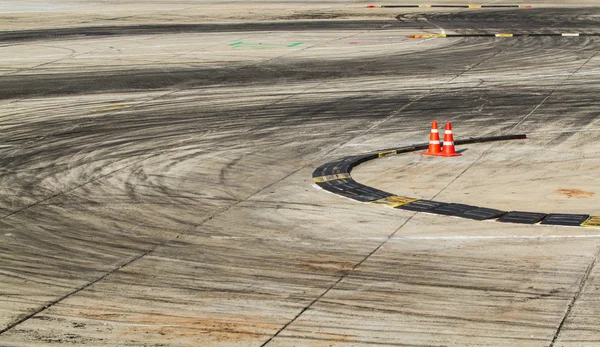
(448, 148)
(434, 141)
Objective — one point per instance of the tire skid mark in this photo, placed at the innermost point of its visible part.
(164, 243)
(554, 90)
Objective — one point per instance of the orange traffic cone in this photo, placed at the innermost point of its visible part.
(434, 141)
(448, 148)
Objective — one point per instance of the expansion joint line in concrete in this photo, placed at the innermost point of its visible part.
(555, 89)
(338, 281)
(110, 272)
(462, 173)
(376, 249)
(71, 293)
(429, 92)
(582, 283)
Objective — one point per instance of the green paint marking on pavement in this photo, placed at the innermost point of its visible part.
(259, 45)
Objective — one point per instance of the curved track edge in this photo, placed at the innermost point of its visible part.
(334, 176)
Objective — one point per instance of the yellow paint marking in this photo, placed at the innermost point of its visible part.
(426, 36)
(474, 6)
(592, 222)
(504, 35)
(424, 5)
(328, 178)
(110, 107)
(387, 153)
(393, 201)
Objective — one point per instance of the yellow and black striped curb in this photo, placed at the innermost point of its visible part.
(335, 177)
(429, 36)
(450, 6)
(393, 201)
(328, 178)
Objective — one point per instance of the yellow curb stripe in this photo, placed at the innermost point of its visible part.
(328, 178)
(474, 6)
(504, 35)
(592, 222)
(393, 201)
(387, 153)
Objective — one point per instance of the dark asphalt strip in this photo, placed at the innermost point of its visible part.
(100, 31)
(510, 20)
(509, 35)
(494, 17)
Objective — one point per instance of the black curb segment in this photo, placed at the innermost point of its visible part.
(345, 186)
(453, 209)
(353, 190)
(482, 213)
(565, 219)
(522, 217)
(423, 206)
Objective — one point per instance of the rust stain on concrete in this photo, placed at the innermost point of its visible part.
(575, 193)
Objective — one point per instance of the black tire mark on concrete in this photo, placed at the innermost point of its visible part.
(145, 77)
(167, 242)
(88, 123)
(432, 90)
(107, 31)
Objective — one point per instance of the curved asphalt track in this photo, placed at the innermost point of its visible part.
(335, 177)
(155, 182)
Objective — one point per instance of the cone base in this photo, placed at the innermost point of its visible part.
(449, 155)
(431, 154)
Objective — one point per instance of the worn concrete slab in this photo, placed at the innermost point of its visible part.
(155, 185)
